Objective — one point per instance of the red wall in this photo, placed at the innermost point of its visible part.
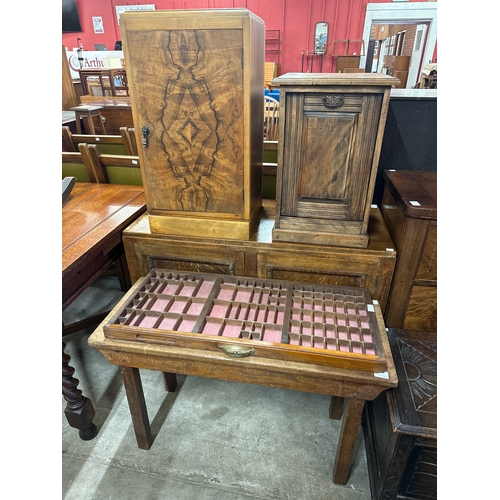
(296, 20)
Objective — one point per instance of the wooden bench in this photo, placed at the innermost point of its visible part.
(111, 169)
(74, 166)
(269, 169)
(107, 144)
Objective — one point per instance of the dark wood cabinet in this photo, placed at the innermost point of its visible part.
(195, 80)
(409, 208)
(410, 136)
(331, 129)
(400, 425)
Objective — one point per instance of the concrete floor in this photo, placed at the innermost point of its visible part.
(212, 439)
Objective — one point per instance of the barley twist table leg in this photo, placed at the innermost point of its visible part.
(79, 409)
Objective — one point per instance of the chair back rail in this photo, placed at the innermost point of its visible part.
(107, 144)
(111, 169)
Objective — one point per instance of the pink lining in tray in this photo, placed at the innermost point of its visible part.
(226, 293)
(231, 330)
(178, 305)
(159, 304)
(219, 310)
(249, 309)
(261, 314)
(195, 307)
(306, 341)
(205, 289)
(243, 295)
(187, 324)
(168, 323)
(187, 291)
(170, 289)
(272, 334)
(211, 327)
(146, 320)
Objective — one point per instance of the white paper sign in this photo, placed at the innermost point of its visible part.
(98, 26)
(123, 8)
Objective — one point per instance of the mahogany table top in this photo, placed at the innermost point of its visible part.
(94, 212)
(93, 218)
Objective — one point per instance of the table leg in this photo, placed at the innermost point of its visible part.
(351, 421)
(137, 405)
(79, 410)
(336, 407)
(170, 381)
(78, 123)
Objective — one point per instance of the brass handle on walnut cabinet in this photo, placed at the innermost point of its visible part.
(236, 351)
(145, 132)
(333, 100)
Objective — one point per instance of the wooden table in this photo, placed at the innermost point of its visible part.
(117, 111)
(173, 356)
(93, 219)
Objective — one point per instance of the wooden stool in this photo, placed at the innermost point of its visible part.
(89, 112)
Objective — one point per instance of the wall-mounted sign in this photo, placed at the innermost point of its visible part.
(122, 8)
(98, 26)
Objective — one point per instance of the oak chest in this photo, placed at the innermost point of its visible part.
(260, 257)
(331, 129)
(409, 208)
(400, 425)
(195, 80)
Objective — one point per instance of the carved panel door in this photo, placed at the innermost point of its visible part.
(332, 158)
(328, 154)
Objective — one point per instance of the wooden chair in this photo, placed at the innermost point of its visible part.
(269, 169)
(96, 89)
(270, 72)
(107, 144)
(271, 118)
(111, 169)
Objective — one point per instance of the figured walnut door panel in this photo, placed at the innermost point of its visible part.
(427, 269)
(187, 87)
(327, 174)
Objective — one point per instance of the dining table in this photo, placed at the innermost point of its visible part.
(93, 219)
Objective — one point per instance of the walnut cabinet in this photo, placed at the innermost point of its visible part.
(331, 128)
(195, 81)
